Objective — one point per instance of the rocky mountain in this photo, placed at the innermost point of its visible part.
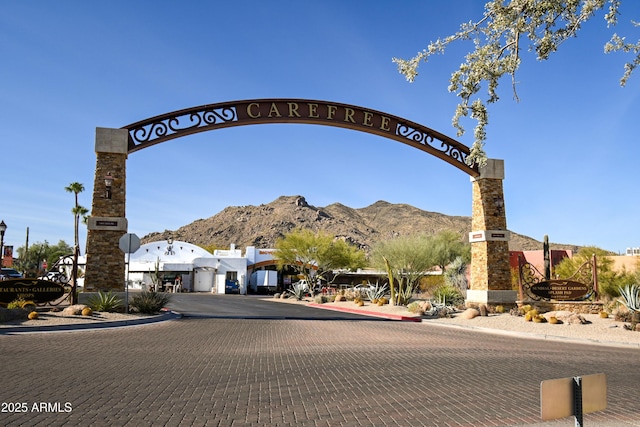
(261, 226)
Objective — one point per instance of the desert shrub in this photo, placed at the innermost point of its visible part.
(430, 282)
(150, 302)
(354, 293)
(456, 274)
(18, 303)
(448, 295)
(105, 301)
(415, 307)
(320, 299)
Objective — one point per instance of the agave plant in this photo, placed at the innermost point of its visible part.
(631, 297)
(299, 290)
(106, 302)
(377, 291)
(150, 302)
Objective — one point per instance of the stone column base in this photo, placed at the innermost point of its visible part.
(476, 297)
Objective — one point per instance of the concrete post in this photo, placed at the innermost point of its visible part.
(489, 238)
(105, 268)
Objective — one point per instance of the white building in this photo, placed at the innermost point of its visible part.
(187, 267)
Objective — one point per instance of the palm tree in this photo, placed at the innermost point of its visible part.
(77, 211)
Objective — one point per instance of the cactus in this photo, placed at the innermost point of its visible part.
(500, 309)
(87, 311)
(604, 315)
(525, 308)
(553, 320)
(33, 315)
(539, 318)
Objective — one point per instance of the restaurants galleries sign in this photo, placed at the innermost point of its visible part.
(38, 291)
(262, 111)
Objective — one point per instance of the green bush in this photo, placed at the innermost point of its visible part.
(320, 299)
(107, 302)
(16, 303)
(430, 282)
(448, 295)
(150, 302)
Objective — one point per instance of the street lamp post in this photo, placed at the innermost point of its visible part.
(3, 228)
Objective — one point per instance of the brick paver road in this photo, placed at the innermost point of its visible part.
(263, 372)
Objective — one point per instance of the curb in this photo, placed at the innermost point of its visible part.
(368, 313)
(533, 335)
(515, 334)
(165, 316)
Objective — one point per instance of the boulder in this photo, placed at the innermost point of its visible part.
(426, 306)
(484, 311)
(567, 317)
(74, 310)
(470, 313)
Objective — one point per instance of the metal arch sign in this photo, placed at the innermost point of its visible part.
(203, 118)
(36, 290)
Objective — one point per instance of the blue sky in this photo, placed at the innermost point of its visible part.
(70, 66)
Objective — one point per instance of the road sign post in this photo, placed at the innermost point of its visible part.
(129, 243)
(575, 396)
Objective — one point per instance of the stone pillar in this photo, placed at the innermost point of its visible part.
(105, 268)
(489, 238)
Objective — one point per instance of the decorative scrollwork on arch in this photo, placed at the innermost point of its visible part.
(448, 148)
(174, 125)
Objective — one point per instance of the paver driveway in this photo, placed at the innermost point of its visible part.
(216, 371)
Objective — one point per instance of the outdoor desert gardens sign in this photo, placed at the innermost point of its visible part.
(560, 290)
(38, 291)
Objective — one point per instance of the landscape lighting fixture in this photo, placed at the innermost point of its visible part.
(108, 182)
(499, 202)
(3, 228)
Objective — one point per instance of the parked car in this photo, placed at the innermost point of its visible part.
(9, 273)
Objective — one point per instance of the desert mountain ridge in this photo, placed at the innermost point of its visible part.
(262, 225)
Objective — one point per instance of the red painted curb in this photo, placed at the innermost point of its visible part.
(368, 313)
